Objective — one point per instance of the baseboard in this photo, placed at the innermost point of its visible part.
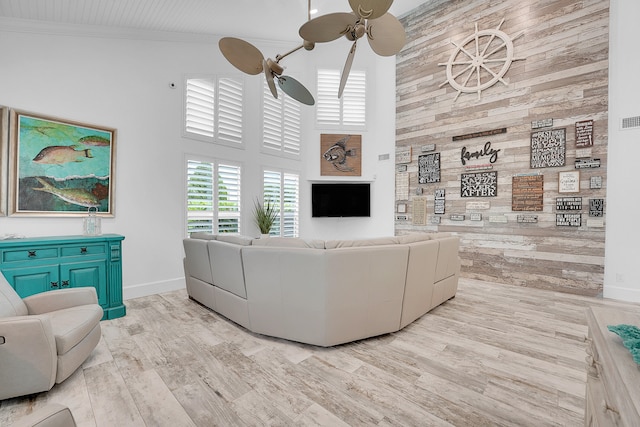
(622, 294)
(146, 289)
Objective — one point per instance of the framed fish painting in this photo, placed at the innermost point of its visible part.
(340, 155)
(59, 167)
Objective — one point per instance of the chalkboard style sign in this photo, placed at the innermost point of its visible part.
(527, 193)
(584, 134)
(548, 148)
(480, 184)
(439, 201)
(568, 220)
(568, 203)
(429, 168)
(596, 207)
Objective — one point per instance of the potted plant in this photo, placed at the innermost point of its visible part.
(264, 215)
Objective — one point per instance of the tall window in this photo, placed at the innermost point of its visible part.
(282, 189)
(213, 109)
(350, 109)
(213, 197)
(280, 123)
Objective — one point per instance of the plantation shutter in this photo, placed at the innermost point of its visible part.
(228, 199)
(230, 110)
(354, 99)
(291, 119)
(350, 109)
(281, 123)
(328, 105)
(271, 194)
(272, 120)
(290, 205)
(199, 108)
(200, 196)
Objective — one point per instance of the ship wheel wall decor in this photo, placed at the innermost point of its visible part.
(480, 60)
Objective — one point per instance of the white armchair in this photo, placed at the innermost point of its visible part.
(45, 337)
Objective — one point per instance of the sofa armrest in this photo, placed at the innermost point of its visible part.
(47, 302)
(28, 355)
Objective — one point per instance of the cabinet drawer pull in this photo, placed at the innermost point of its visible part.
(83, 250)
(54, 284)
(65, 283)
(32, 254)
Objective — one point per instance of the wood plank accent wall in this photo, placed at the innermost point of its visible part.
(564, 76)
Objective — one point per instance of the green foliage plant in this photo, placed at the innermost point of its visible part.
(264, 215)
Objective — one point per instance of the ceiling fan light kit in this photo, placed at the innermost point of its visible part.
(385, 34)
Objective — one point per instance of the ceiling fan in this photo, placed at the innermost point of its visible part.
(248, 59)
(385, 33)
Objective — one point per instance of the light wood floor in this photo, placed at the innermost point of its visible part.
(495, 355)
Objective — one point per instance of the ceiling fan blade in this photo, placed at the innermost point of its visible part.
(242, 55)
(296, 90)
(370, 9)
(386, 35)
(268, 74)
(327, 28)
(347, 69)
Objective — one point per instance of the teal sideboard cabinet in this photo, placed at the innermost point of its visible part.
(39, 264)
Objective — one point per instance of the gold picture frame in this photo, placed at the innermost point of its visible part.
(59, 167)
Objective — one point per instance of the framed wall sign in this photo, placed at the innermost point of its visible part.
(596, 207)
(569, 182)
(584, 134)
(403, 154)
(429, 168)
(60, 167)
(480, 184)
(527, 193)
(548, 148)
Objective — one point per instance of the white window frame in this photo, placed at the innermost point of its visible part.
(214, 215)
(279, 229)
(327, 85)
(232, 119)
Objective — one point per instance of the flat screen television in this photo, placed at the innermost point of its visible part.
(340, 199)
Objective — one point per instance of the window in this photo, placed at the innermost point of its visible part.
(213, 197)
(280, 123)
(282, 189)
(350, 109)
(213, 109)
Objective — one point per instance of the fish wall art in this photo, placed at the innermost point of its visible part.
(340, 155)
(60, 167)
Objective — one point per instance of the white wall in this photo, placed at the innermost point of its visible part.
(122, 81)
(621, 275)
(378, 139)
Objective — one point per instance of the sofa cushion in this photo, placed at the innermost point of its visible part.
(376, 241)
(235, 238)
(289, 242)
(203, 235)
(72, 325)
(421, 237)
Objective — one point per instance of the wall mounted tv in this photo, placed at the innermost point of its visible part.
(340, 199)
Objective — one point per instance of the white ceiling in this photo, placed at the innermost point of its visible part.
(258, 19)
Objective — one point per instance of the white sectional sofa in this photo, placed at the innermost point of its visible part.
(322, 292)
